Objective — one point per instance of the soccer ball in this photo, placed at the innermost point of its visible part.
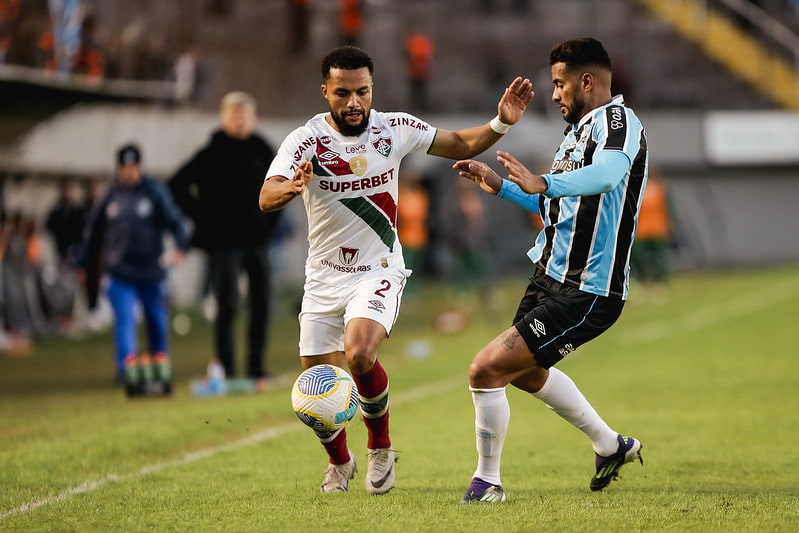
(324, 398)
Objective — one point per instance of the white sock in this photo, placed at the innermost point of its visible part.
(491, 418)
(562, 396)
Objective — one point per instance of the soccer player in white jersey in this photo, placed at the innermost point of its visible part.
(589, 204)
(345, 164)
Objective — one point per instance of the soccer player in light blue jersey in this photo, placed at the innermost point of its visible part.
(589, 204)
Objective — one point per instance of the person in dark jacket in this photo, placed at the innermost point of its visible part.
(67, 219)
(218, 189)
(125, 237)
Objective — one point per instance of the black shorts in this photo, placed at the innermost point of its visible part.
(554, 319)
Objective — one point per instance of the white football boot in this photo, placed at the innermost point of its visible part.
(337, 477)
(380, 470)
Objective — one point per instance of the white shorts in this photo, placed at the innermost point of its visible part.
(327, 309)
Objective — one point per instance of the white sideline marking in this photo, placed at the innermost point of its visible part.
(410, 395)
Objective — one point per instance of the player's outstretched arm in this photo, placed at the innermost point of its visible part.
(277, 191)
(480, 173)
(514, 101)
(520, 175)
(469, 142)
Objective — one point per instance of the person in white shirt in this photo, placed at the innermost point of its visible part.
(345, 165)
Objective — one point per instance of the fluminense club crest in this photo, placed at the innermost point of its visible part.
(383, 146)
(348, 256)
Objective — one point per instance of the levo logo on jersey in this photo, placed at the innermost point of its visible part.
(348, 256)
(383, 146)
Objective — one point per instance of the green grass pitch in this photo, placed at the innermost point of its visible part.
(708, 381)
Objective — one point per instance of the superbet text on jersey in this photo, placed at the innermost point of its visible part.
(351, 202)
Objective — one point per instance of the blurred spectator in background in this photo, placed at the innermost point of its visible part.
(93, 192)
(350, 21)
(496, 67)
(413, 207)
(468, 240)
(14, 341)
(650, 253)
(191, 76)
(15, 266)
(184, 72)
(419, 56)
(88, 59)
(67, 24)
(622, 83)
(125, 235)
(218, 190)
(65, 223)
(25, 29)
(155, 61)
(121, 57)
(22, 259)
(299, 25)
(66, 220)
(9, 14)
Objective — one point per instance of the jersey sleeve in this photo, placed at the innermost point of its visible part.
(414, 134)
(514, 193)
(617, 129)
(615, 132)
(297, 147)
(602, 175)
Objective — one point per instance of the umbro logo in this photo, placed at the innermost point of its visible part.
(377, 305)
(538, 328)
(328, 155)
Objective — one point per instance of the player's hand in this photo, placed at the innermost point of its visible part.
(172, 258)
(518, 174)
(277, 191)
(177, 256)
(514, 102)
(480, 173)
(302, 176)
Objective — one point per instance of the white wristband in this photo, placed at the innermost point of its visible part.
(499, 126)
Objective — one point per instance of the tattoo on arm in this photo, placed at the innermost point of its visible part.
(508, 340)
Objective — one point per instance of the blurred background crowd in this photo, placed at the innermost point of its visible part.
(78, 78)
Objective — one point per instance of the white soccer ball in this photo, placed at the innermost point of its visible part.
(324, 398)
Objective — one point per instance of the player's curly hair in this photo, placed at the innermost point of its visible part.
(347, 58)
(580, 53)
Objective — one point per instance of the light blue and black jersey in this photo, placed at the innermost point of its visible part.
(590, 208)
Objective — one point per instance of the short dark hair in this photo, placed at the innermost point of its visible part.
(581, 53)
(347, 58)
(130, 153)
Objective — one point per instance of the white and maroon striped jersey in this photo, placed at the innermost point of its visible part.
(351, 202)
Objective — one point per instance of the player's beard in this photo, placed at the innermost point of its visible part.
(574, 112)
(347, 129)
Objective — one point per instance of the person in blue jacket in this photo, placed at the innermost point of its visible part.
(125, 237)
